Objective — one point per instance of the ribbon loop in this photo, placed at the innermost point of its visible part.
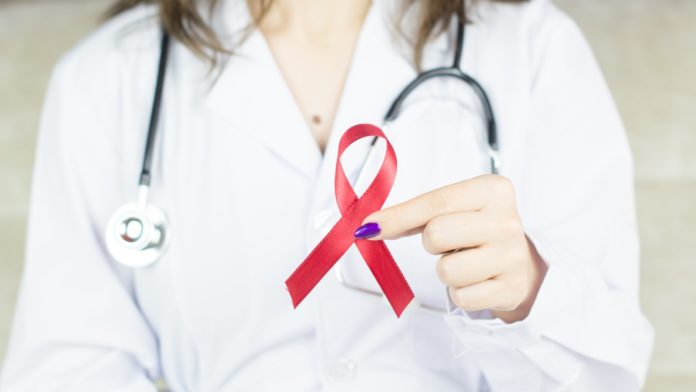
(354, 210)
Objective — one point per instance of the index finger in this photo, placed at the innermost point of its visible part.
(410, 217)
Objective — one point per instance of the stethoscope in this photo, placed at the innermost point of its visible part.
(136, 234)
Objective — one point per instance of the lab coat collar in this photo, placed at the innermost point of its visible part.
(250, 77)
(378, 72)
(382, 66)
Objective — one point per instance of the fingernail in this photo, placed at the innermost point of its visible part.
(368, 230)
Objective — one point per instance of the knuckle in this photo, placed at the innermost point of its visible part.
(517, 292)
(438, 204)
(500, 185)
(459, 298)
(444, 270)
(433, 238)
(503, 183)
(516, 255)
(519, 286)
(511, 226)
(519, 255)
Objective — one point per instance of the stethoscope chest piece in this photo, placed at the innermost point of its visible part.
(136, 235)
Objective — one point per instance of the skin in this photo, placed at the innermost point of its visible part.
(312, 42)
(486, 259)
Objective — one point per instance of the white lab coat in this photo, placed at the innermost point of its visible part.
(248, 195)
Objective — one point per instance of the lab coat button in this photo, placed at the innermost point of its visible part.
(343, 370)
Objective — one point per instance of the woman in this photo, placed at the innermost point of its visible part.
(537, 266)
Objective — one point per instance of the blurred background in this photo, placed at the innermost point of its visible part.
(647, 49)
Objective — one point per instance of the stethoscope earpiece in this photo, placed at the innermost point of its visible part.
(136, 235)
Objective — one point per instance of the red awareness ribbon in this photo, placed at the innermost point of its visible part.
(340, 238)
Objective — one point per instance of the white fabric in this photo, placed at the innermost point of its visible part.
(248, 195)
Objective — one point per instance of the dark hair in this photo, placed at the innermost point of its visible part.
(183, 21)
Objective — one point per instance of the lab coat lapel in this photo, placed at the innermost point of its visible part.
(381, 67)
(377, 74)
(251, 79)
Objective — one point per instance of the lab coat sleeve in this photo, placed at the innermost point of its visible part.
(574, 182)
(77, 326)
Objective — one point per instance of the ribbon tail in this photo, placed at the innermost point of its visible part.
(319, 262)
(387, 273)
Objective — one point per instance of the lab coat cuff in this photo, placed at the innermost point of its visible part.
(472, 334)
(521, 343)
(480, 332)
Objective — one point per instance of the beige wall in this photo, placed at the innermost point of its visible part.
(647, 49)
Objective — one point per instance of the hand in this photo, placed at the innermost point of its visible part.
(486, 260)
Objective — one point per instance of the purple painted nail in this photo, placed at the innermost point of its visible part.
(368, 230)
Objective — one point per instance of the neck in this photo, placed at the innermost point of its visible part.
(311, 20)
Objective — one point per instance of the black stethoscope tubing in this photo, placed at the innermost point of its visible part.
(137, 233)
(145, 173)
(453, 71)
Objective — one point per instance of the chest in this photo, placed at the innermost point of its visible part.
(245, 212)
(249, 195)
(315, 74)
